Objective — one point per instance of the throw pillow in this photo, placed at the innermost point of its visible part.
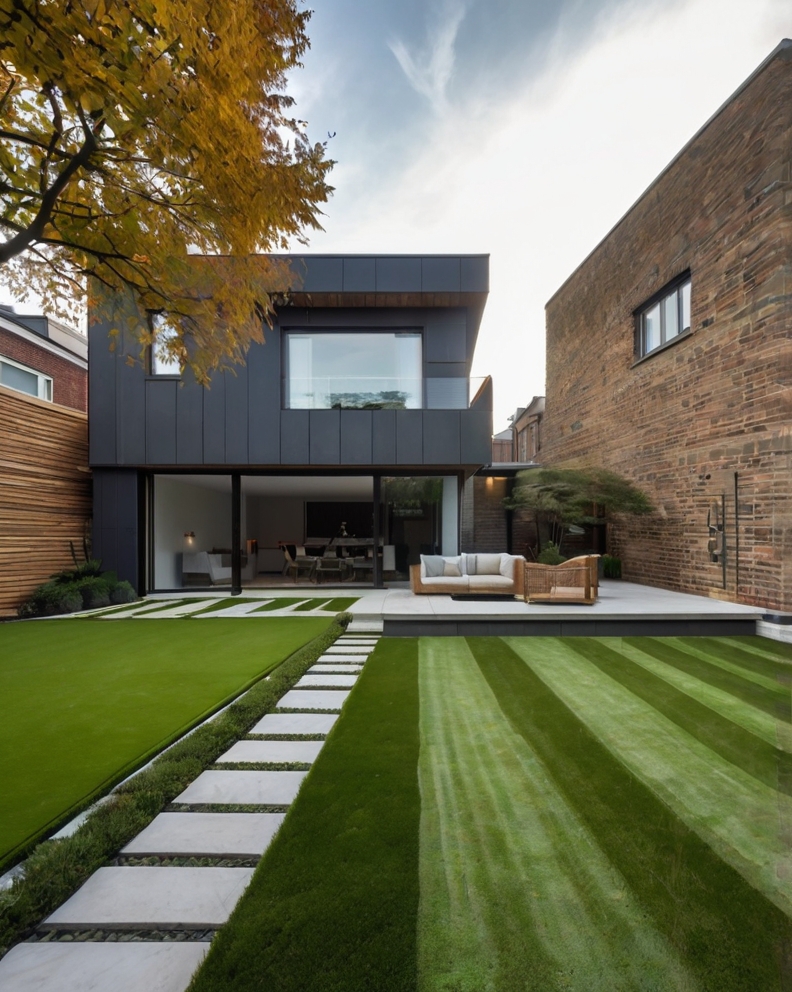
(432, 566)
(470, 565)
(507, 566)
(453, 567)
(488, 564)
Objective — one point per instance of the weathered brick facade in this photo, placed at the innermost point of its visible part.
(713, 410)
(69, 381)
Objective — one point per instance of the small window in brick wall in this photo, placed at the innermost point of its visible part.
(663, 318)
(25, 380)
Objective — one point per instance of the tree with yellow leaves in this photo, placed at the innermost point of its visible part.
(147, 151)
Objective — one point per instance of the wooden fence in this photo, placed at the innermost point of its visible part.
(45, 492)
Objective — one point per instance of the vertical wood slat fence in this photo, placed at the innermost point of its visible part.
(45, 492)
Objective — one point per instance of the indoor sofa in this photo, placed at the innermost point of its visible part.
(468, 573)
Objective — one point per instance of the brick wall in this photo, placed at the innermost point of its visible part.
(69, 381)
(683, 421)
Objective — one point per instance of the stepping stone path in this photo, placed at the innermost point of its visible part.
(147, 928)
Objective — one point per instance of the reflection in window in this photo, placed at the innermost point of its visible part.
(665, 319)
(163, 363)
(353, 370)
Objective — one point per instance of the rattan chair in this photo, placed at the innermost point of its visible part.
(572, 582)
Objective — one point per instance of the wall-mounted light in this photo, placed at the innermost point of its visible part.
(189, 535)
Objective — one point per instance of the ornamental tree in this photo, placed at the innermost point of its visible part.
(137, 136)
(562, 497)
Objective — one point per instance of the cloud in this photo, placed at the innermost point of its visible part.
(429, 71)
(538, 176)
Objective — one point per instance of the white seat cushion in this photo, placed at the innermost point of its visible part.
(442, 582)
(490, 582)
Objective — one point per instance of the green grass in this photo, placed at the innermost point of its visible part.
(279, 604)
(333, 904)
(57, 868)
(589, 815)
(85, 703)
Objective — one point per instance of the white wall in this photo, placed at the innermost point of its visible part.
(180, 507)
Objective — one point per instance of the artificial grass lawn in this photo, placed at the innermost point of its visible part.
(84, 703)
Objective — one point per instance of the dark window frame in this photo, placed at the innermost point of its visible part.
(672, 287)
(287, 329)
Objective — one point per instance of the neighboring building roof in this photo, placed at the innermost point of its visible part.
(784, 48)
(504, 435)
(47, 333)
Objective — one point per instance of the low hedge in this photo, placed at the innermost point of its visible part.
(57, 868)
(81, 588)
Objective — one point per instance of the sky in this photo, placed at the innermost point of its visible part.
(522, 129)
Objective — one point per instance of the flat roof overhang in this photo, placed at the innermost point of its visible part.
(505, 470)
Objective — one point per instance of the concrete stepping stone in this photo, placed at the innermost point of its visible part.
(138, 609)
(295, 723)
(243, 787)
(313, 699)
(168, 898)
(348, 649)
(310, 681)
(184, 610)
(237, 610)
(343, 657)
(138, 966)
(207, 835)
(339, 669)
(303, 751)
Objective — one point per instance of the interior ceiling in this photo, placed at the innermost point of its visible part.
(310, 487)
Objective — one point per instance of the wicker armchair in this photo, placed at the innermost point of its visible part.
(574, 581)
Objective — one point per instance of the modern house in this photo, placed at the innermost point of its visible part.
(669, 356)
(45, 485)
(354, 425)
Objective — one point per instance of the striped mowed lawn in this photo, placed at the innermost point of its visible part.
(570, 814)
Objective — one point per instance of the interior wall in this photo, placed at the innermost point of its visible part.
(180, 507)
(275, 518)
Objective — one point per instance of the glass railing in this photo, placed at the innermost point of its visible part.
(379, 393)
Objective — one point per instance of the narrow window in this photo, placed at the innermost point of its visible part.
(162, 362)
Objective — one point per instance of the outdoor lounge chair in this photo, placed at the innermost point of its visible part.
(572, 582)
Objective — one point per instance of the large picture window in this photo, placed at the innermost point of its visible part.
(664, 317)
(352, 370)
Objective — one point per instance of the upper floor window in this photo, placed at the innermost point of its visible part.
(353, 370)
(664, 317)
(25, 380)
(161, 362)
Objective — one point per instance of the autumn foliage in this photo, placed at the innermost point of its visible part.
(137, 135)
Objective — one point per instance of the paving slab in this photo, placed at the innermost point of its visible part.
(237, 610)
(245, 787)
(343, 657)
(310, 681)
(295, 723)
(304, 751)
(313, 699)
(349, 649)
(178, 611)
(207, 835)
(139, 966)
(148, 897)
(342, 668)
